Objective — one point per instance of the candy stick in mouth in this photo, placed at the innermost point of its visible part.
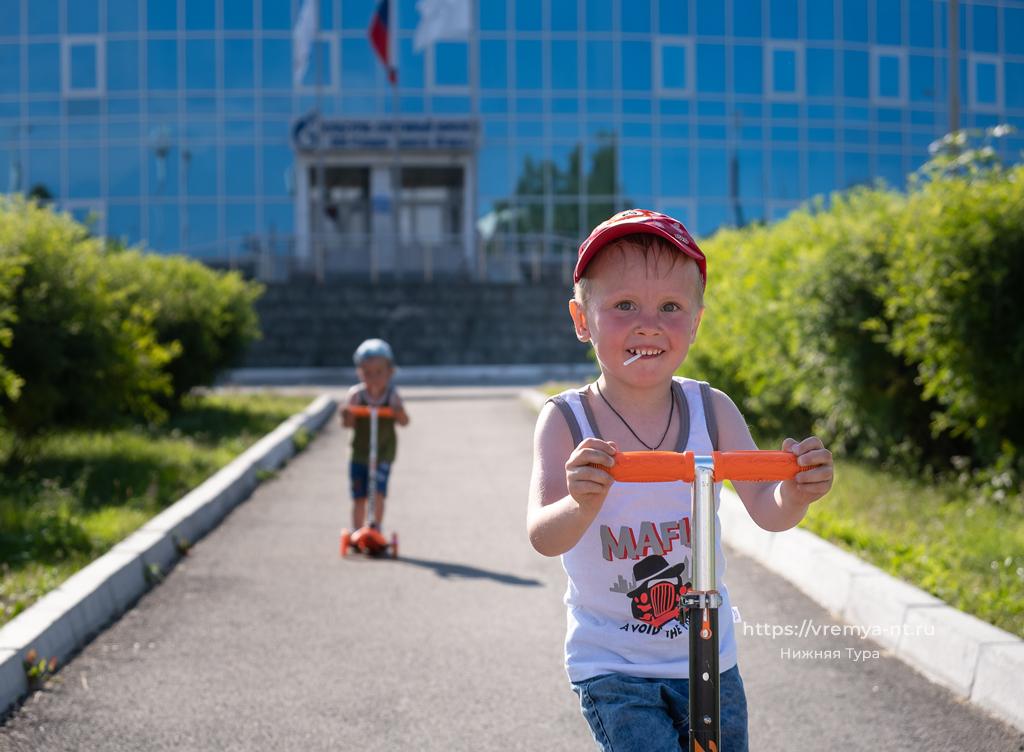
(635, 357)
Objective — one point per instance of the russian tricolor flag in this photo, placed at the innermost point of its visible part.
(380, 38)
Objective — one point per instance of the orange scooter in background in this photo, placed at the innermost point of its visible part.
(698, 608)
(369, 539)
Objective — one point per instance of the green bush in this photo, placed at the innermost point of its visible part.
(83, 353)
(890, 324)
(209, 314)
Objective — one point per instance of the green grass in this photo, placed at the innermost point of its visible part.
(965, 550)
(72, 495)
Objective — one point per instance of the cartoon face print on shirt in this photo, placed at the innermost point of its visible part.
(655, 599)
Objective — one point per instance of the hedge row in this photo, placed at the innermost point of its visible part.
(891, 324)
(91, 333)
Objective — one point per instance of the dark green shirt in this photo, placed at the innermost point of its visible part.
(387, 437)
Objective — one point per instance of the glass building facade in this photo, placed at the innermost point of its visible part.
(176, 123)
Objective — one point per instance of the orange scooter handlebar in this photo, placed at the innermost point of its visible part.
(361, 411)
(754, 465)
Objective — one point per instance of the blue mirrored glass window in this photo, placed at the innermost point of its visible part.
(277, 169)
(821, 172)
(636, 16)
(493, 64)
(599, 65)
(122, 66)
(710, 68)
(529, 64)
(855, 20)
(922, 23)
(675, 171)
(636, 66)
(673, 16)
(637, 169)
(411, 65)
(203, 229)
(889, 76)
(10, 19)
(122, 15)
(238, 64)
(83, 65)
(43, 171)
(784, 71)
(239, 220)
(674, 73)
(201, 170)
(750, 169)
(599, 15)
(786, 174)
(83, 17)
(239, 170)
(123, 223)
(357, 64)
(451, 60)
(276, 15)
(855, 74)
(784, 19)
(748, 69)
(277, 63)
(238, 14)
(124, 171)
(711, 17)
(712, 172)
(278, 218)
(984, 29)
(528, 16)
(43, 68)
(327, 15)
(564, 64)
(164, 228)
(564, 16)
(710, 216)
(1013, 34)
(820, 72)
(320, 69)
(820, 20)
(985, 84)
(43, 17)
(856, 168)
(493, 15)
(888, 22)
(161, 15)
(162, 160)
(10, 68)
(200, 64)
(746, 18)
(890, 169)
(83, 173)
(922, 78)
(161, 64)
(1014, 84)
(200, 15)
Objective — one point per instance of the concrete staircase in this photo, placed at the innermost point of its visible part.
(306, 325)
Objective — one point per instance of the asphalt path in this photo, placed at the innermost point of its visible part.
(262, 638)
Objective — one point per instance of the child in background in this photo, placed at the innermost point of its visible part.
(375, 365)
(639, 299)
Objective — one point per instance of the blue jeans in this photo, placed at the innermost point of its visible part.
(359, 479)
(628, 713)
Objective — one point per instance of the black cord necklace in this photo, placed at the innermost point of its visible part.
(671, 410)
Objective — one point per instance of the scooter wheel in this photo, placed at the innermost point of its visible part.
(344, 541)
(394, 545)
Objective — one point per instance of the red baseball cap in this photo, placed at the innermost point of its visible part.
(640, 220)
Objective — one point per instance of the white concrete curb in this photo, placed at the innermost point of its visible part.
(974, 659)
(67, 618)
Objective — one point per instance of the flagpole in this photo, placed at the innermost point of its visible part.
(396, 157)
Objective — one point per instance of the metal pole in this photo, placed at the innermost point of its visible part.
(319, 234)
(954, 66)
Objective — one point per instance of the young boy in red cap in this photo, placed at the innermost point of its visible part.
(639, 299)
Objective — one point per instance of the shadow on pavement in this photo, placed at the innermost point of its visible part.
(446, 569)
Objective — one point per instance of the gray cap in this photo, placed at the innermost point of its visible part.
(373, 348)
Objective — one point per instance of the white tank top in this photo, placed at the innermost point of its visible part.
(627, 571)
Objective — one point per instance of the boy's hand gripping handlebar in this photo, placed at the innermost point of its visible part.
(699, 606)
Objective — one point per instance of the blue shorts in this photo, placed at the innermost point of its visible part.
(359, 475)
(627, 713)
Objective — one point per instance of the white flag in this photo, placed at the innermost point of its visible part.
(441, 19)
(302, 39)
